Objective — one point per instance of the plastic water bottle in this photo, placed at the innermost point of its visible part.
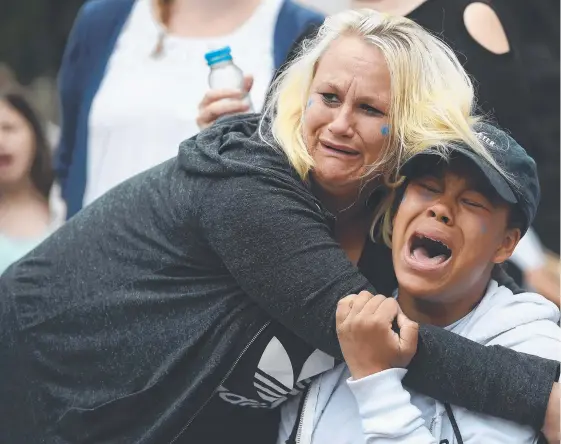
(224, 74)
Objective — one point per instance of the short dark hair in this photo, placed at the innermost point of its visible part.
(42, 174)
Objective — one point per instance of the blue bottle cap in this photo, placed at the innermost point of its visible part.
(218, 55)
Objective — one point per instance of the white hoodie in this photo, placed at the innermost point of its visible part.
(378, 409)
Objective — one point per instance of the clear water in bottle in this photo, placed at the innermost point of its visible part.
(224, 74)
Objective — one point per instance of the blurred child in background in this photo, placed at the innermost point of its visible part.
(26, 178)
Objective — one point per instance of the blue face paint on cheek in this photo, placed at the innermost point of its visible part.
(385, 130)
(484, 228)
(310, 102)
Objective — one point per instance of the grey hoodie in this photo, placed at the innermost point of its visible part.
(123, 323)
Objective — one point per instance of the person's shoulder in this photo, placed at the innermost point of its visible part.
(96, 18)
(234, 146)
(502, 310)
(303, 13)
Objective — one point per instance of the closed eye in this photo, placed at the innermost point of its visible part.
(429, 187)
(474, 204)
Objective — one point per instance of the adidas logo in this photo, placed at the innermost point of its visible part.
(274, 377)
(274, 380)
(242, 401)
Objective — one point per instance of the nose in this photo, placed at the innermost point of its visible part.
(342, 124)
(441, 213)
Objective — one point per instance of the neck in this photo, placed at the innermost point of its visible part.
(344, 208)
(443, 310)
(209, 18)
(392, 7)
(346, 205)
(20, 193)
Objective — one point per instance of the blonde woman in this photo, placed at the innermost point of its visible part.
(189, 302)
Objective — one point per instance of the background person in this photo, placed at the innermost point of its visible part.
(26, 177)
(134, 73)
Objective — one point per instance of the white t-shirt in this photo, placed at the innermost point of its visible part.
(146, 106)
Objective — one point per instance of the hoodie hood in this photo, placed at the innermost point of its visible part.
(233, 146)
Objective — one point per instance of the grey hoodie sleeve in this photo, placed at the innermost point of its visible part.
(277, 244)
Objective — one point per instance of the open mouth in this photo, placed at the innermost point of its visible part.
(429, 252)
(5, 160)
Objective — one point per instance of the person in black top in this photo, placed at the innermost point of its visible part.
(187, 303)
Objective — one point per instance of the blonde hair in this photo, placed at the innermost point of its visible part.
(432, 96)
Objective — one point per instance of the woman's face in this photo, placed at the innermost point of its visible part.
(17, 146)
(345, 122)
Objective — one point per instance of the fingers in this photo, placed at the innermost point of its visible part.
(386, 314)
(350, 306)
(382, 306)
(220, 102)
(344, 308)
(359, 302)
(247, 83)
(215, 95)
(408, 333)
(218, 109)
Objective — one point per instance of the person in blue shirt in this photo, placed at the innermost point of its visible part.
(26, 177)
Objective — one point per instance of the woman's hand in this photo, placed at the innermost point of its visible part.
(368, 342)
(551, 426)
(221, 102)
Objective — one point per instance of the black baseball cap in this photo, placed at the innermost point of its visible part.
(523, 192)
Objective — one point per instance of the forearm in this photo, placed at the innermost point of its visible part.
(386, 413)
(491, 380)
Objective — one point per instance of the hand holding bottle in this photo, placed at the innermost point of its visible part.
(221, 102)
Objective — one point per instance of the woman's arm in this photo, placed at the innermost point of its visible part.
(277, 244)
(512, 381)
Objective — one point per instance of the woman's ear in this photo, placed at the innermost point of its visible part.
(510, 241)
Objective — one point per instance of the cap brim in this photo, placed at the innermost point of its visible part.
(497, 181)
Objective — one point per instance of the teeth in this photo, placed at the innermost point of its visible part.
(430, 246)
(435, 240)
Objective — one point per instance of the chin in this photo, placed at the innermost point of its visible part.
(336, 183)
(420, 286)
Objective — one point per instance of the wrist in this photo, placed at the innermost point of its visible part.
(359, 372)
